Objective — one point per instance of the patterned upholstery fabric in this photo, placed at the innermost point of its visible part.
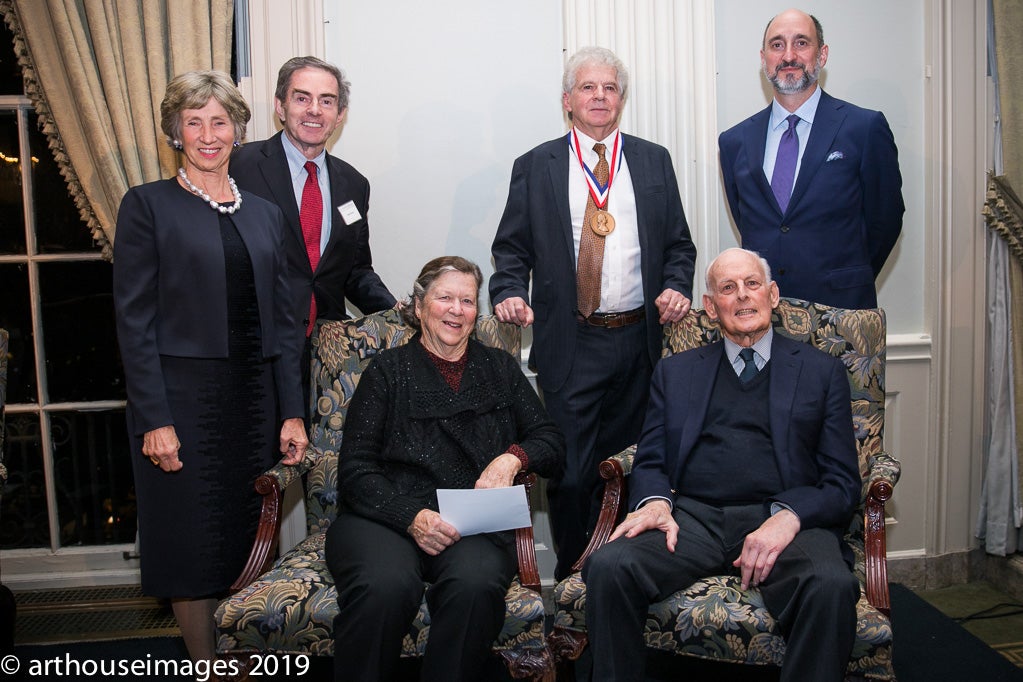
(712, 618)
(291, 607)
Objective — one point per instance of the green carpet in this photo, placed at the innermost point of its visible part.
(984, 611)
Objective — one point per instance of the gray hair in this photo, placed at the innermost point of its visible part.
(428, 275)
(595, 55)
(194, 90)
(764, 266)
(344, 87)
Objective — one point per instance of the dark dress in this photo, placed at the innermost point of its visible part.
(196, 526)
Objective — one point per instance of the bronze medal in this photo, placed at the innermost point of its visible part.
(602, 223)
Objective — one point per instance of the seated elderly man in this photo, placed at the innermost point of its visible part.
(746, 464)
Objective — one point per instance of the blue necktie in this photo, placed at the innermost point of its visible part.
(785, 164)
(750, 370)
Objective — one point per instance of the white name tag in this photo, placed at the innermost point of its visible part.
(349, 213)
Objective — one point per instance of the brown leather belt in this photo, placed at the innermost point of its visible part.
(612, 320)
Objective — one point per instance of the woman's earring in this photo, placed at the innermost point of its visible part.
(177, 145)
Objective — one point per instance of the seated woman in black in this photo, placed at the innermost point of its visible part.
(442, 411)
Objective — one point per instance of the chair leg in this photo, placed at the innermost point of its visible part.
(531, 665)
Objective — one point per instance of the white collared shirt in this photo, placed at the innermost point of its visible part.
(778, 125)
(621, 281)
(296, 165)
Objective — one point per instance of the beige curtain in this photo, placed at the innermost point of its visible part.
(96, 71)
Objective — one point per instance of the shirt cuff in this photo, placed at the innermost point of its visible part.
(778, 506)
(652, 498)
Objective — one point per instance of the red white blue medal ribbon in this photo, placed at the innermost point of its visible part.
(600, 193)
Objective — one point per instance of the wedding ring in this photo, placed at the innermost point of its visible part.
(155, 460)
(678, 305)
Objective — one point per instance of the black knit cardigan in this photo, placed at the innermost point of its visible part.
(408, 433)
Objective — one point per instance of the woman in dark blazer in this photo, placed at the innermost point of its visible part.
(210, 352)
(442, 411)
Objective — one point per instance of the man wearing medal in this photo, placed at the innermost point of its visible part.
(595, 217)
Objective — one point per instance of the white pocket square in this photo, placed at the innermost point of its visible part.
(834, 156)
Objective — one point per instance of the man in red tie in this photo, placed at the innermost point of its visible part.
(325, 201)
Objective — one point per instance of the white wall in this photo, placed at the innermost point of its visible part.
(876, 61)
(445, 95)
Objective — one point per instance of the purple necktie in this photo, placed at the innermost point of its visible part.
(785, 164)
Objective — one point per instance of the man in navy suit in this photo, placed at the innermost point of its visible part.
(745, 466)
(827, 234)
(615, 199)
(311, 100)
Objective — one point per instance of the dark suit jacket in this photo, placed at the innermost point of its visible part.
(846, 210)
(811, 429)
(170, 292)
(346, 265)
(535, 235)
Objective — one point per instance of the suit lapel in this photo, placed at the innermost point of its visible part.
(639, 171)
(826, 123)
(557, 167)
(755, 139)
(785, 367)
(277, 175)
(338, 195)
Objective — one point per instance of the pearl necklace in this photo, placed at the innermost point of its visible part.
(206, 197)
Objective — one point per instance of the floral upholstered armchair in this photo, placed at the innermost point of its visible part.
(715, 619)
(289, 606)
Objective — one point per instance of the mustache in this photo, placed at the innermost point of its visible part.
(790, 65)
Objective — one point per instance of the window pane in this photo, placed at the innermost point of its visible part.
(92, 472)
(16, 318)
(59, 227)
(80, 342)
(12, 208)
(10, 73)
(23, 520)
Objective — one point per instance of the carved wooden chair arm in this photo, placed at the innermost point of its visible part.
(270, 485)
(613, 470)
(884, 474)
(529, 572)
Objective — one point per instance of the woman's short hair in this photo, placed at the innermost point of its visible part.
(193, 90)
(344, 87)
(429, 274)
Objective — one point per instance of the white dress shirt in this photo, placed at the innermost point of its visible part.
(621, 280)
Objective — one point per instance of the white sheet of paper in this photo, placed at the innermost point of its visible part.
(485, 510)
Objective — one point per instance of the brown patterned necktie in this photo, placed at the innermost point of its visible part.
(591, 247)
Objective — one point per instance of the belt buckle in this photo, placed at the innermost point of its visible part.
(608, 319)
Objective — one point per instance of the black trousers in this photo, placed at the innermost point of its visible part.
(600, 409)
(811, 590)
(379, 575)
